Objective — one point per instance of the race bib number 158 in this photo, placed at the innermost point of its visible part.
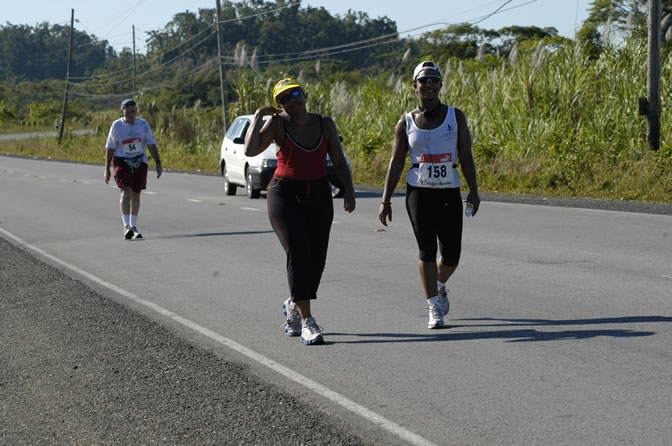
(435, 170)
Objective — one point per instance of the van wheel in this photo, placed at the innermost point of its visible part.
(229, 188)
(251, 191)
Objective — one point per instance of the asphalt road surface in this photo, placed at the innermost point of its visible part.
(559, 331)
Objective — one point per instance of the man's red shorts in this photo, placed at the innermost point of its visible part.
(136, 179)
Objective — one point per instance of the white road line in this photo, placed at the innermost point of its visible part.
(151, 193)
(380, 421)
(666, 277)
(250, 209)
(193, 200)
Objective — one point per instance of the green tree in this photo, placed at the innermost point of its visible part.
(40, 52)
(516, 35)
(461, 41)
(614, 18)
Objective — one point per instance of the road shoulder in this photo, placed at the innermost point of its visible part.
(79, 368)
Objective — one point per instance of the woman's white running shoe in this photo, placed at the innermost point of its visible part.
(435, 317)
(293, 322)
(311, 333)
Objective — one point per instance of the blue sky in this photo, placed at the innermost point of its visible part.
(113, 21)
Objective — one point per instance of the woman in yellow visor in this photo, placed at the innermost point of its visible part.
(300, 205)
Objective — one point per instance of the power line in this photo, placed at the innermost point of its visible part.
(260, 13)
(156, 68)
(182, 43)
(500, 10)
(201, 68)
(115, 21)
(149, 60)
(282, 57)
(302, 55)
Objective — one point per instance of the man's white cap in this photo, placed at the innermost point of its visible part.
(426, 65)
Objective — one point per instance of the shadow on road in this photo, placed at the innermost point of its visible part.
(204, 234)
(606, 320)
(517, 335)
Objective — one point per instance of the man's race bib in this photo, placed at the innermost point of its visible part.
(435, 170)
(133, 147)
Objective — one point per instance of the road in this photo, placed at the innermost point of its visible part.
(559, 331)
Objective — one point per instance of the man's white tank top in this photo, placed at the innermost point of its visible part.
(433, 153)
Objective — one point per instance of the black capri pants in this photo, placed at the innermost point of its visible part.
(301, 213)
(436, 214)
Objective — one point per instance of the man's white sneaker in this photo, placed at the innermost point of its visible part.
(293, 322)
(136, 233)
(435, 317)
(128, 232)
(444, 303)
(311, 333)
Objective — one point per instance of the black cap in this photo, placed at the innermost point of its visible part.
(126, 102)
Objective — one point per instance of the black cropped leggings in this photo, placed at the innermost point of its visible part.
(301, 213)
(436, 214)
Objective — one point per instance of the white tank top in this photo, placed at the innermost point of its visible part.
(433, 153)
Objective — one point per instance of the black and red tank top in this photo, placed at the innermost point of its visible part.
(301, 163)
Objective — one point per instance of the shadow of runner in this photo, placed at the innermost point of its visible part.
(607, 320)
(204, 234)
(530, 335)
(516, 335)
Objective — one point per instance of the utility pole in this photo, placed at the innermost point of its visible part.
(651, 105)
(134, 60)
(220, 45)
(67, 78)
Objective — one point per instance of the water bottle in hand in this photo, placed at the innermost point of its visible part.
(469, 210)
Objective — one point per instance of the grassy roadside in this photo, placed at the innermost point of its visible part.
(629, 178)
(90, 149)
(557, 122)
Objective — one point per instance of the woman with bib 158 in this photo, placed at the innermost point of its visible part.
(438, 139)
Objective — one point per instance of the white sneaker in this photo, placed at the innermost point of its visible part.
(444, 304)
(136, 233)
(435, 317)
(311, 333)
(293, 322)
(128, 232)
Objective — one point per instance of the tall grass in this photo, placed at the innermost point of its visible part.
(566, 125)
(555, 122)
(548, 121)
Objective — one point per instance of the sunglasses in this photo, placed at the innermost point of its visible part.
(429, 80)
(285, 99)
